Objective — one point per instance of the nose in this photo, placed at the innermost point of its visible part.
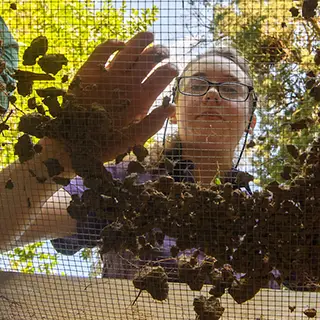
(211, 95)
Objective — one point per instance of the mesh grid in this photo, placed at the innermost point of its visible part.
(159, 159)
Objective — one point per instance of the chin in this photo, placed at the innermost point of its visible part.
(211, 143)
(220, 140)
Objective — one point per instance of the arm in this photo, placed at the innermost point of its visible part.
(24, 211)
(22, 207)
(52, 222)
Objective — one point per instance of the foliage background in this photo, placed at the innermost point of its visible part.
(280, 39)
(73, 28)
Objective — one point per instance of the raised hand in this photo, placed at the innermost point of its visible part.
(125, 88)
(119, 87)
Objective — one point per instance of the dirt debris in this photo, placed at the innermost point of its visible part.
(140, 152)
(154, 280)
(207, 308)
(9, 184)
(310, 312)
(65, 78)
(135, 167)
(190, 272)
(309, 8)
(31, 124)
(50, 92)
(38, 47)
(13, 6)
(292, 308)
(53, 166)
(25, 88)
(32, 103)
(53, 105)
(52, 63)
(294, 11)
(22, 75)
(24, 148)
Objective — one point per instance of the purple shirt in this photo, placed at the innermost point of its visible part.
(118, 171)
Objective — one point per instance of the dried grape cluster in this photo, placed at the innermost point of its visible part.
(207, 308)
(154, 280)
(276, 228)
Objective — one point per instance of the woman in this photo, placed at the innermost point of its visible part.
(215, 103)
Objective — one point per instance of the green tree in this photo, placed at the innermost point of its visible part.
(31, 259)
(92, 256)
(73, 28)
(280, 38)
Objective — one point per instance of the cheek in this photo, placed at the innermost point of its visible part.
(188, 107)
(236, 115)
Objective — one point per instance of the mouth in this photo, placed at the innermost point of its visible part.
(210, 115)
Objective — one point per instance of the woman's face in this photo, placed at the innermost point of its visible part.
(209, 121)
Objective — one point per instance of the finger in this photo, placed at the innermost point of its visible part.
(148, 59)
(130, 54)
(157, 82)
(144, 95)
(99, 57)
(139, 133)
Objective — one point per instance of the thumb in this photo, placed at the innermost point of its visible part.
(140, 132)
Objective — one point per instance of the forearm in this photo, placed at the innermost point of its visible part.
(52, 222)
(21, 206)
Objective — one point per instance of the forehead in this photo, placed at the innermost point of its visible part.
(217, 69)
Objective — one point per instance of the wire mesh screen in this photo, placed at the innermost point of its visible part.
(159, 160)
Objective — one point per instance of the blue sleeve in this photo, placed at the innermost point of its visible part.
(9, 52)
(75, 186)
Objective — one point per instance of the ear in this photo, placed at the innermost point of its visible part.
(253, 123)
(173, 119)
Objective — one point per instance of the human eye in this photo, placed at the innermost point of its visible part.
(197, 85)
(233, 90)
(231, 87)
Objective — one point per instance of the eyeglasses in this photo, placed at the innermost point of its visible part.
(196, 86)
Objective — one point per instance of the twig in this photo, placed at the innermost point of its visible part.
(126, 260)
(3, 125)
(8, 116)
(18, 108)
(137, 297)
